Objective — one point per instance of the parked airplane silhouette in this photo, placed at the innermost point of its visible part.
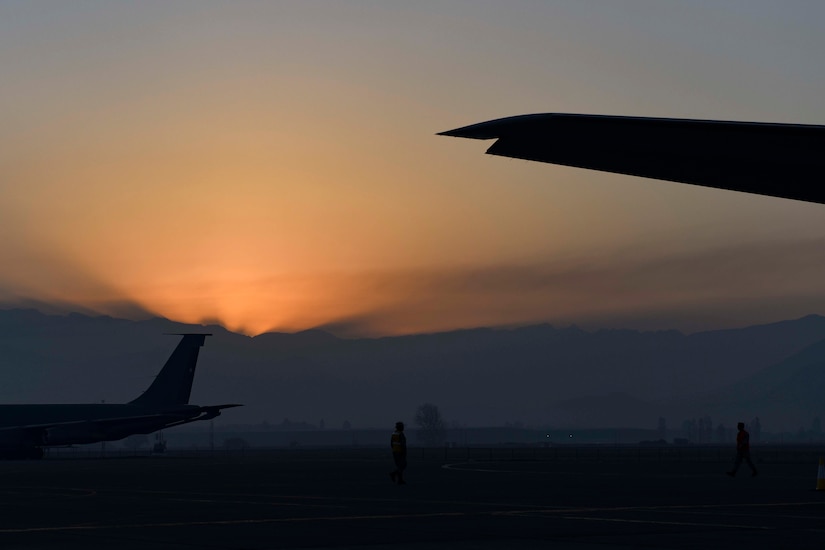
(780, 160)
(26, 429)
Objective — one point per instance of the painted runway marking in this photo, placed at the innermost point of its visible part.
(769, 514)
(558, 513)
(718, 511)
(677, 523)
(51, 492)
(344, 499)
(686, 508)
(87, 527)
(258, 502)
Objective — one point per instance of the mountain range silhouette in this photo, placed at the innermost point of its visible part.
(537, 375)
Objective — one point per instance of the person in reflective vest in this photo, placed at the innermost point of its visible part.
(743, 450)
(398, 442)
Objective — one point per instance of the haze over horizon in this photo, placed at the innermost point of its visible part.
(539, 376)
(343, 332)
(274, 166)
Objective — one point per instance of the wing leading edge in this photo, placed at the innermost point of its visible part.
(780, 160)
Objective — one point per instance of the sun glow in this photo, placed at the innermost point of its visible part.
(273, 165)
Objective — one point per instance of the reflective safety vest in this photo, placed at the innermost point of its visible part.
(398, 442)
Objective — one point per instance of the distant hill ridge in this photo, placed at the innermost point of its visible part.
(483, 376)
(788, 393)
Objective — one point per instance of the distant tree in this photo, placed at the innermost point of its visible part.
(756, 429)
(431, 426)
(346, 425)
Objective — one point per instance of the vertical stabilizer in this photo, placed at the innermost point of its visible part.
(173, 384)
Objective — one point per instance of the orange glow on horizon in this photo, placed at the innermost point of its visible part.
(636, 294)
(276, 166)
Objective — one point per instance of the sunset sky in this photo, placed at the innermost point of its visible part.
(274, 165)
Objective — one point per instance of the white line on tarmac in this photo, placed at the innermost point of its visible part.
(649, 508)
(178, 494)
(87, 527)
(679, 523)
(256, 502)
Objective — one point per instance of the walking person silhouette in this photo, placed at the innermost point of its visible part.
(398, 442)
(743, 450)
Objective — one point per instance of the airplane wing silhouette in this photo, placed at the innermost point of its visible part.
(780, 160)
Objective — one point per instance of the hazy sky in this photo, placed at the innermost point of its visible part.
(274, 165)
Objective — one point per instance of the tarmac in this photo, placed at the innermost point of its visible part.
(342, 499)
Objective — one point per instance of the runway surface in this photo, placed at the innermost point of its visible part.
(329, 499)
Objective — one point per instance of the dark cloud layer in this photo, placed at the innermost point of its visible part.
(44, 279)
(703, 290)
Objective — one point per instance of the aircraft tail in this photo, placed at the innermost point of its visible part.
(173, 384)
